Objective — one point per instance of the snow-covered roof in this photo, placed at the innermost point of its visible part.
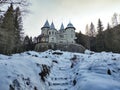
(62, 27)
(46, 25)
(52, 26)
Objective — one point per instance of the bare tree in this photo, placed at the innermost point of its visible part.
(18, 3)
(115, 19)
(90, 30)
(87, 30)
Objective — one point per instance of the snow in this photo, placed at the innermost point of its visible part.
(68, 71)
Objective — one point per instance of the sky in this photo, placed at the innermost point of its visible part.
(78, 12)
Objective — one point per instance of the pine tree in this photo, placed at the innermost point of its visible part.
(18, 29)
(108, 26)
(1, 19)
(26, 43)
(100, 37)
(109, 39)
(8, 30)
(1, 36)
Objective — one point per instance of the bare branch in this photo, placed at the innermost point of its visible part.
(18, 2)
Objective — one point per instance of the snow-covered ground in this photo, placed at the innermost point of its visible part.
(58, 70)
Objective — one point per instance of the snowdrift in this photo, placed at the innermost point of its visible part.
(58, 70)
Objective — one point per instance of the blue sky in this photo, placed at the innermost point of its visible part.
(79, 12)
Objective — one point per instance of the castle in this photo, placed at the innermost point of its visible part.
(49, 34)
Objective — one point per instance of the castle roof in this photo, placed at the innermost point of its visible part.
(70, 25)
(46, 25)
(52, 26)
(62, 27)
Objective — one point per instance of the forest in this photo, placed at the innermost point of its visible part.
(101, 39)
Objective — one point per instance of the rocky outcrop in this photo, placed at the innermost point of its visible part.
(64, 47)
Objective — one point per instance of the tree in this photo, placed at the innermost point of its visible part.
(115, 20)
(100, 37)
(11, 27)
(108, 26)
(109, 39)
(28, 44)
(1, 19)
(8, 30)
(83, 40)
(18, 3)
(92, 30)
(18, 29)
(87, 30)
(100, 27)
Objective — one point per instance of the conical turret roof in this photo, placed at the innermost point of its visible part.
(52, 26)
(62, 27)
(70, 25)
(46, 25)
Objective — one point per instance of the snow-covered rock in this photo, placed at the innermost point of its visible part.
(58, 70)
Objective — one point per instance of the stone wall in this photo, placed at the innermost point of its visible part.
(64, 47)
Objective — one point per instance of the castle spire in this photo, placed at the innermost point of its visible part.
(46, 25)
(62, 27)
(52, 26)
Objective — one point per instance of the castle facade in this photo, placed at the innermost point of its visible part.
(49, 34)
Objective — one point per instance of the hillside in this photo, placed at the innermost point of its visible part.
(58, 70)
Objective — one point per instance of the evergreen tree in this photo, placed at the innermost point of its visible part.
(28, 44)
(1, 35)
(1, 19)
(100, 37)
(109, 39)
(8, 29)
(108, 26)
(83, 40)
(18, 29)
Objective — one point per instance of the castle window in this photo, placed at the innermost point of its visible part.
(49, 33)
(52, 32)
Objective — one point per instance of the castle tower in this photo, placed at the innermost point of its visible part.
(62, 28)
(52, 34)
(61, 38)
(45, 28)
(70, 33)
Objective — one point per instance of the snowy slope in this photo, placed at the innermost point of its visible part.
(65, 71)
